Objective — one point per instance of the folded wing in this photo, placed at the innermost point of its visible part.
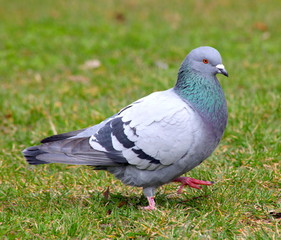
(151, 133)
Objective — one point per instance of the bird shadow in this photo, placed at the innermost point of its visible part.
(117, 200)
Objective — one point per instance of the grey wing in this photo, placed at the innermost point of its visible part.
(73, 148)
(151, 134)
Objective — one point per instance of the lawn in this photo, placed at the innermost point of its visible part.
(48, 87)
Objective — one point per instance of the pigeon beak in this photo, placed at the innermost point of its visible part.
(222, 70)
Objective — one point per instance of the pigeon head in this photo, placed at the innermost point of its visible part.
(205, 60)
(197, 84)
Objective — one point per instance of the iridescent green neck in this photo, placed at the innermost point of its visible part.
(205, 95)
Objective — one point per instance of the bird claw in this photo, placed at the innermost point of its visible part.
(151, 205)
(191, 182)
(149, 208)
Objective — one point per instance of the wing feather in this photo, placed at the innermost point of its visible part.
(152, 133)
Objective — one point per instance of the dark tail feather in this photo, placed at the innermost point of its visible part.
(30, 155)
(76, 151)
(62, 136)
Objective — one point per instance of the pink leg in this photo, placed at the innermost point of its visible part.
(151, 203)
(191, 182)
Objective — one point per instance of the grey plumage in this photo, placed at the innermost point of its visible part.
(156, 139)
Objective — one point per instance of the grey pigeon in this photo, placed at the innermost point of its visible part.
(156, 139)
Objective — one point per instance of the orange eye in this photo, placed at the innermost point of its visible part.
(205, 61)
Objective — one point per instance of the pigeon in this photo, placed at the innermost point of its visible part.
(156, 139)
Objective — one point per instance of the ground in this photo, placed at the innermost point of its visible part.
(66, 65)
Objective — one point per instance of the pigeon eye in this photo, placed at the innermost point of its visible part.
(205, 61)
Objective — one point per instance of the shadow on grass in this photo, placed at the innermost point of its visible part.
(103, 202)
(117, 200)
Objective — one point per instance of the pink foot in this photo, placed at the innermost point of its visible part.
(191, 182)
(151, 203)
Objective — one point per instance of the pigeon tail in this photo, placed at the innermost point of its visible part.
(31, 153)
(75, 151)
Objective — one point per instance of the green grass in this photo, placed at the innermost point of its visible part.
(44, 90)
